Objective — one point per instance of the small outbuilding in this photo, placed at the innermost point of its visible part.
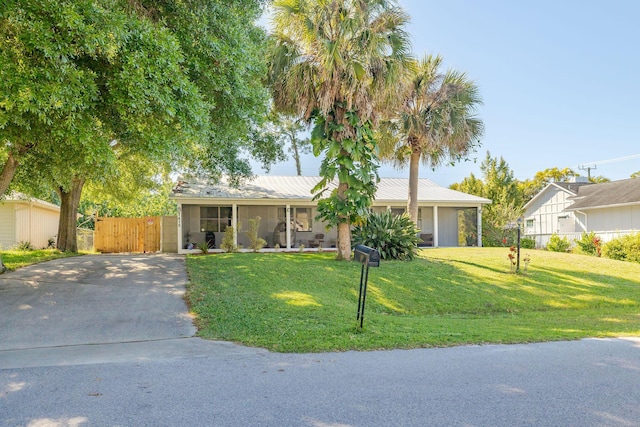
(24, 219)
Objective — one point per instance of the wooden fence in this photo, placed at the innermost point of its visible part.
(128, 234)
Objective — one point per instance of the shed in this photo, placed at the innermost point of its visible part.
(24, 219)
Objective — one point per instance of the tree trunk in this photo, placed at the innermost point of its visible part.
(344, 229)
(412, 202)
(67, 238)
(8, 171)
(296, 154)
(344, 241)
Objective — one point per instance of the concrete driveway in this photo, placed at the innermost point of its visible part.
(94, 299)
(105, 341)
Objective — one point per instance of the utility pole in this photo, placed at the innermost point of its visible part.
(588, 167)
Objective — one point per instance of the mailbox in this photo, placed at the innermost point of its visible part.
(366, 256)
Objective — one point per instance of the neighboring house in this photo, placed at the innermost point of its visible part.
(288, 212)
(23, 219)
(609, 209)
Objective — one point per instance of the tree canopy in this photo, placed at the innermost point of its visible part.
(531, 187)
(100, 90)
(434, 122)
(331, 61)
(500, 186)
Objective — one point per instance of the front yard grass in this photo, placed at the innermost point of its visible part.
(14, 259)
(307, 302)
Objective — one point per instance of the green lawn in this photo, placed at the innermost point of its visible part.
(14, 259)
(304, 302)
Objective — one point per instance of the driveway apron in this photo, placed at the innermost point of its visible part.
(94, 299)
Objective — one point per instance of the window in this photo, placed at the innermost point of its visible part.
(397, 211)
(215, 218)
(301, 217)
(529, 223)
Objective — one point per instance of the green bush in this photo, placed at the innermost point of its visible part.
(394, 236)
(614, 250)
(256, 242)
(227, 244)
(528, 243)
(558, 244)
(589, 243)
(625, 248)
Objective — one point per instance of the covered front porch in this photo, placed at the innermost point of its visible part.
(293, 226)
(282, 226)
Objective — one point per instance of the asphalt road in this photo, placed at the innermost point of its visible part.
(168, 379)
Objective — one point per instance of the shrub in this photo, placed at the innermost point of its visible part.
(625, 248)
(528, 243)
(24, 246)
(204, 247)
(558, 244)
(256, 243)
(589, 243)
(227, 244)
(512, 258)
(394, 236)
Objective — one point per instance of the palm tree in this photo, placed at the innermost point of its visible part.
(435, 122)
(332, 61)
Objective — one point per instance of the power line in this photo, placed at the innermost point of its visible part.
(618, 159)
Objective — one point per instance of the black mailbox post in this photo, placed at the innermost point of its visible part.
(368, 257)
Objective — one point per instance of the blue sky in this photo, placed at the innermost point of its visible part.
(560, 81)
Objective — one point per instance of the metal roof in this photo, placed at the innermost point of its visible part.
(607, 194)
(390, 190)
(16, 197)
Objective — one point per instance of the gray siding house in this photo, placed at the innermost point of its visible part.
(287, 211)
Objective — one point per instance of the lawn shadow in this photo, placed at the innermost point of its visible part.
(467, 287)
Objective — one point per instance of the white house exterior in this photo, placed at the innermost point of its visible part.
(285, 203)
(545, 214)
(609, 209)
(27, 220)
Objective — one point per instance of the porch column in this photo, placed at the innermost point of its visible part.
(179, 226)
(479, 226)
(435, 226)
(234, 223)
(287, 216)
